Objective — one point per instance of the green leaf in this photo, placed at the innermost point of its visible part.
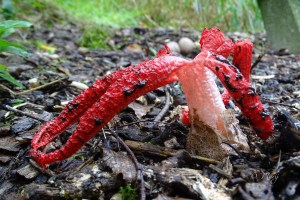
(38, 4)
(8, 10)
(6, 76)
(9, 47)
(7, 32)
(3, 67)
(8, 24)
(17, 102)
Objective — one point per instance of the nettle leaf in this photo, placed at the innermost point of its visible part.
(6, 76)
(8, 24)
(9, 47)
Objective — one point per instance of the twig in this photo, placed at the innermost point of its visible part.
(282, 104)
(83, 164)
(136, 122)
(41, 87)
(156, 150)
(138, 166)
(9, 108)
(163, 111)
(278, 162)
(165, 108)
(38, 167)
(204, 159)
(239, 154)
(220, 171)
(14, 94)
(257, 60)
(3, 87)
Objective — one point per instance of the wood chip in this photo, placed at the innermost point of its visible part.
(28, 172)
(257, 77)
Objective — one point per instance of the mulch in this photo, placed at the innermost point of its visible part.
(270, 171)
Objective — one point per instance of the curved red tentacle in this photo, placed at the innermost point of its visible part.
(73, 110)
(242, 57)
(214, 41)
(243, 94)
(133, 83)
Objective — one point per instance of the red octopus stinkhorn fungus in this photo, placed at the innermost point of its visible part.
(210, 124)
(242, 57)
(96, 106)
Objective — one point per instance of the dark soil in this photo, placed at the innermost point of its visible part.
(270, 171)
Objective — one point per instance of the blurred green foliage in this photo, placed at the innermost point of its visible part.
(6, 29)
(114, 13)
(229, 15)
(7, 9)
(128, 193)
(95, 37)
(97, 17)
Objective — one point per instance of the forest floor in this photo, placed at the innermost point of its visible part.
(102, 169)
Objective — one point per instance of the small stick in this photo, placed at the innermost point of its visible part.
(282, 104)
(41, 87)
(83, 164)
(165, 108)
(156, 150)
(220, 171)
(14, 94)
(278, 162)
(163, 111)
(257, 60)
(239, 154)
(3, 87)
(9, 108)
(204, 159)
(38, 167)
(138, 166)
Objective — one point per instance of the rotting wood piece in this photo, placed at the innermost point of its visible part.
(93, 181)
(155, 150)
(188, 183)
(41, 191)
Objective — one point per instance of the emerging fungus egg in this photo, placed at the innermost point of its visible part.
(173, 46)
(186, 45)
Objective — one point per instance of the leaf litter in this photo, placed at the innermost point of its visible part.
(269, 171)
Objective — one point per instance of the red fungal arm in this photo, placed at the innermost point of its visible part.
(239, 88)
(74, 109)
(213, 40)
(70, 114)
(133, 83)
(243, 94)
(242, 58)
